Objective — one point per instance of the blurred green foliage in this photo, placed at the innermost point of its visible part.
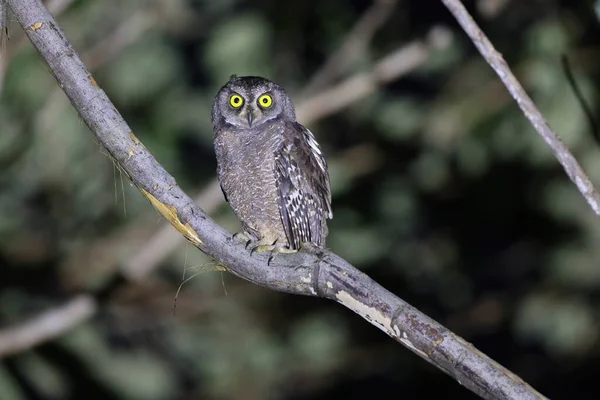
(443, 193)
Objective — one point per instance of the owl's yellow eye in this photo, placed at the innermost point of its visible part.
(236, 101)
(265, 101)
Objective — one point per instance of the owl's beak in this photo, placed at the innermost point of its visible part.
(252, 115)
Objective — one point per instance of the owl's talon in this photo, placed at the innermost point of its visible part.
(273, 249)
(279, 250)
(243, 236)
(262, 248)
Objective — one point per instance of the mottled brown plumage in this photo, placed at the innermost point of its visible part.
(270, 167)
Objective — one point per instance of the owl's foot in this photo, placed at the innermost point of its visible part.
(244, 237)
(274, 248)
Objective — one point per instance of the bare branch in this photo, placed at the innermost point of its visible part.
(398, 63)
(562, 153)
(314, 272)
(49, 325)
(587, 111)
(354, 45)
(128, 32)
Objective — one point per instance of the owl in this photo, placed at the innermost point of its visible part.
(270, 168)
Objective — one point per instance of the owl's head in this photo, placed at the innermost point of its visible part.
(249, 102)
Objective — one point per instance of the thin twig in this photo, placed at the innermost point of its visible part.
(353, 46)
(127, 33)
(495, 60)
(580, 98)
(398, 63)
(48, 325)
(312, 272)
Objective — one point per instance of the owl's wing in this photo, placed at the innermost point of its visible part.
(303, 187)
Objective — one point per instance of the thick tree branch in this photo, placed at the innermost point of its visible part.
(495, 60)
(315, 272)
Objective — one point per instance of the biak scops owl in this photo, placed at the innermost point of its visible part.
(270, 167)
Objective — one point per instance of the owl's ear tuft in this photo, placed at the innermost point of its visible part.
(232, 77)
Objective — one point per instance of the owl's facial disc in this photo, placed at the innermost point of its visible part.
(251, 102)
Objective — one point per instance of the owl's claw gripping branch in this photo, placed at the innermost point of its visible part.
(262, 246)
(244, 237)
(274, 248)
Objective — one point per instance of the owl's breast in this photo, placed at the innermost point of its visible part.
(246, 170)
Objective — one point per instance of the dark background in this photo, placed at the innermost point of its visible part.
(442, 192)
